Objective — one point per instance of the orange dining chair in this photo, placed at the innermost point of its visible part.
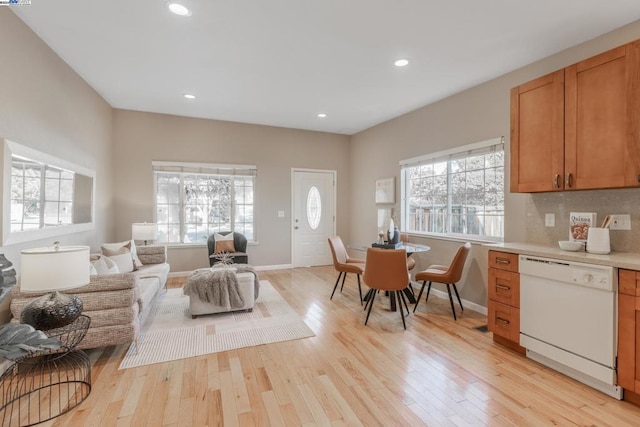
(387, 271)
(344, 264)
(411, 263)
(447, 275)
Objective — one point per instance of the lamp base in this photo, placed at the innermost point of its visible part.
(53, 310)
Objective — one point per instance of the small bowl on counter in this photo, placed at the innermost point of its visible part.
(568, 245)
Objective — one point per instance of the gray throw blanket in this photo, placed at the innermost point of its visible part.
(219, 286)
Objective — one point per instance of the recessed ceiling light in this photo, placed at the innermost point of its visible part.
(189, 96)
(179, 9)
(401, 62)
(322, 115)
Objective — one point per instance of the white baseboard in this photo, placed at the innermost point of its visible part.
(465, 303)
(273, 267)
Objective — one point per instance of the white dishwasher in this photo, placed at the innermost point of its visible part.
(568, 319)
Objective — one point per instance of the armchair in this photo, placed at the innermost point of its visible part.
(239, 255)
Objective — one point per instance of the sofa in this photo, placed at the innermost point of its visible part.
(118, 303)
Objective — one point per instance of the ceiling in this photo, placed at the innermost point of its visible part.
(281, 62)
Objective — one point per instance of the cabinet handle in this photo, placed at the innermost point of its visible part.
(556, 181)
(569, 179)
(502, 261)
(501, 320)
(506, 288)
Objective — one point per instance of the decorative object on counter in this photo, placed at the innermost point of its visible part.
(598, 241)
(19, 340)
(568, 245)
(53, 269)
(380, 240)
(579, 224)
(7, 277)
(145, 231)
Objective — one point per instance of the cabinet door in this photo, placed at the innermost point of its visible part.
(628, 341)
(601, 120)
(537, 134)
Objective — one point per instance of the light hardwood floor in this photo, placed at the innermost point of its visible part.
(437, 372)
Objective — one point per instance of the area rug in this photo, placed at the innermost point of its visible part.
(170, 333)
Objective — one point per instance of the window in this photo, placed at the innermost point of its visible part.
(457, 192)
(195, 200)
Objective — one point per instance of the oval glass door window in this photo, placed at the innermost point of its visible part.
(314, 207)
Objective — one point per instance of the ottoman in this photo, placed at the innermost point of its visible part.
(246, 285)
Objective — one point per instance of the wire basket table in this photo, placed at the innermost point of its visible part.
(46, 384)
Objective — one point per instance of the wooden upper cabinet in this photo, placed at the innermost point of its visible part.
(579, 128)
(537, 134)
(601, 120)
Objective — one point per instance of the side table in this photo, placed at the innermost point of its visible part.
(46, 384)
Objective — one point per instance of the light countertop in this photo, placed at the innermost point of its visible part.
(614, 259)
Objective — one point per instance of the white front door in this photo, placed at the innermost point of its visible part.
(314, 195)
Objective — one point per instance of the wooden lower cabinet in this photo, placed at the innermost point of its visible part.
(629, 332)
(504, 299)
(504, 321)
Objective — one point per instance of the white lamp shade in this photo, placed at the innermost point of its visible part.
(54, 269)
(144, 231)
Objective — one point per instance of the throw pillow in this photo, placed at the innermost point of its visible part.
(100, 266)
(224, 243)
(120, 253)
(103, 265)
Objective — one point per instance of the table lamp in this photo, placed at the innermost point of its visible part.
(53, 269)
(144, 231)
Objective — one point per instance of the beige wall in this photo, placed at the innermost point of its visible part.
(142, 137)
(479, 113)
(47, 106)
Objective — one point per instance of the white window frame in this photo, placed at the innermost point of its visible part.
(442, 156)
(187, 168)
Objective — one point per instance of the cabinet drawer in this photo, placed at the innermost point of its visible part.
(629, 282)
(503, 261)
(504, 287)
(504, 320)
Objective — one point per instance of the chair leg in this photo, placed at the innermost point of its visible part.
(428, 291)
(400, 297)
(367, 298)
(360, 289)
(336, 286)
(458, 295)
(424, 282)
(451, 301)
(404, 300)
(371, 300)
(343, 277)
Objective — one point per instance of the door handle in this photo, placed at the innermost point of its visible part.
(503, 261)
(506, 288)
(556, 181)
(501, 320)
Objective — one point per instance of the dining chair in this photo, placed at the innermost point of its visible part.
(387, 271)
(344, 264)
(448, 275)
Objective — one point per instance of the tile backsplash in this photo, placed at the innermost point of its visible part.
(603, 202)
